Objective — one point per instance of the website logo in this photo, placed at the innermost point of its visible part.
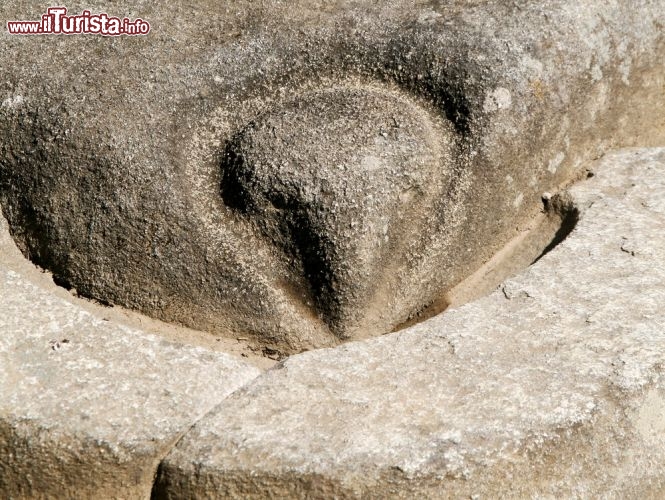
(57, 22)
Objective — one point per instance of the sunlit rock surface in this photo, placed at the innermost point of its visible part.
(380, 152)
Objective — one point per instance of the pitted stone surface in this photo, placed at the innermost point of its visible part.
(111, 149)
(88, 407)
(342, 181)
(552, 386)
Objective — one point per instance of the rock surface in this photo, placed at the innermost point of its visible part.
(550, 387)
(114, 154)
(87, 407)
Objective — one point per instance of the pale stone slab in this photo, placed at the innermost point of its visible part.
(550, 387)
(89, 407)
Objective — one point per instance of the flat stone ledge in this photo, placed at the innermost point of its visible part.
(551, 386)
(87, 407)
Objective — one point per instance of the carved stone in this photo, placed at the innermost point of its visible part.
(303, 175)
(285, 176)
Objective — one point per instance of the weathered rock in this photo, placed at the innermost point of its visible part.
(88, 408)
(552, 386)
(115, 160)
(344, 189)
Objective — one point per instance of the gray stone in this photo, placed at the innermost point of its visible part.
(345, 188)
(304, 173)
(89, 407)
(115, 152)
(550, 387)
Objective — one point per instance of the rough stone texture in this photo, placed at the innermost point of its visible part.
(87, 407)
(346, 187)
(115, 153)
(550, 387)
